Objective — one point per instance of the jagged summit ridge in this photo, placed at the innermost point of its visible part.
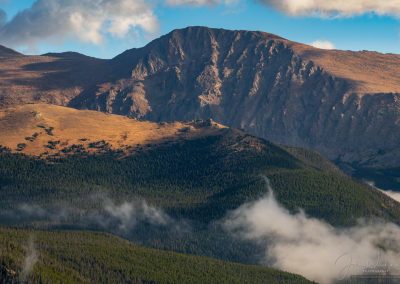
(338, 102)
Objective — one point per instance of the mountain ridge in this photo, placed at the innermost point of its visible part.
(339, 103)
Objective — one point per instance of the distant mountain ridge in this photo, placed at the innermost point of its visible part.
(344, 104)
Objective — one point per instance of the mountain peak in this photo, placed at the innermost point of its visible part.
(204, 29)
(287, 92)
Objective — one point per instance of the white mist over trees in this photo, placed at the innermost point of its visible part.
(311, 247)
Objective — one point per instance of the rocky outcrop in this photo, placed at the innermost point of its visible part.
(254, 81)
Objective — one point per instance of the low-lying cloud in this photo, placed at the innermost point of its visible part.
(335, 8)
(30, 259)
(120, 218)
(392, 194)
(128, 214)
(86, 20)
(311, 247)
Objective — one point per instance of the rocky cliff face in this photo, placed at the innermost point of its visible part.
(254, 81)
(343, 104)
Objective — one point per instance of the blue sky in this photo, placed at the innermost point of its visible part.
(356, 30)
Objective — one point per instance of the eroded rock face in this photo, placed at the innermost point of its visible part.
(286, 92)
(254, 81)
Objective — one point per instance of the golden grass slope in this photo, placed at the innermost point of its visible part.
(368, 72)
(42, 129)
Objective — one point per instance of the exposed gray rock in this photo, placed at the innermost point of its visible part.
(341, 103)
(256, 82)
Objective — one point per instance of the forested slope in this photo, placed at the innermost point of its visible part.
(84, 257)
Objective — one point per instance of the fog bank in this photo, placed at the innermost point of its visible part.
(311, 247)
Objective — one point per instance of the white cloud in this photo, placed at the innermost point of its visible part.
(323, 44)
(336, 8)
(392, 194)
(128, 214)
(311, 247)
(121, 218)
(87, 20)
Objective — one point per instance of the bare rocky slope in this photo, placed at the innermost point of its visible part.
(344, 104)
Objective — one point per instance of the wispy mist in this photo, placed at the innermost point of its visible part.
(31, 258)
(392, 194)
(311, 247)
(120, 218)
(128, 214)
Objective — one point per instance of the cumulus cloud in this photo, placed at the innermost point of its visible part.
(86, 20)
(323, 44)
(89, 21)
(313, 248)
(335, 8)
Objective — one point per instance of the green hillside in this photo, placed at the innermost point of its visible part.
(83, 257)
(196, 182)
(198, 179)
